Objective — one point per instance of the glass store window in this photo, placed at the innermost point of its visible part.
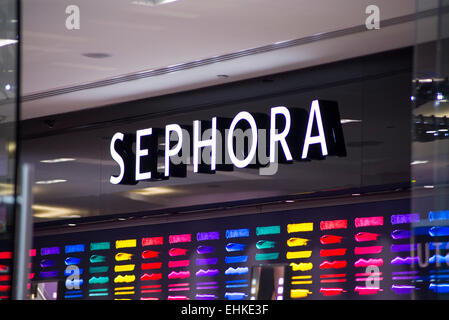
(352, 207)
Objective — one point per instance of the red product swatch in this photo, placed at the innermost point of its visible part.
(5, 288)
(329, 239)
(332, 280)
(153, 265)
(151, 286)
(177, 238)
(6, 255)
(332, 252)
(369, 222)
(331, 291)
(179, 263)
(337, 264)
(32, 252)
(151, 276)
(369, 262)
(367, 290)
(368, 250)
(366, 236)
(333, 224)
(151, 291)
(147, 254)
(173, 252)
(152, 241)
(5, 278)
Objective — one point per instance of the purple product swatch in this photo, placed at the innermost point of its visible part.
(201, 262)
(402, 289)
(207, 273)
(405, 218)
(204, 249)
(403, 247)
(51, 250)
(400, 234)
(406, 260)
(215, 235)
(206, 297)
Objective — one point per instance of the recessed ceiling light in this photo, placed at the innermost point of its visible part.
(51, 181)
(151, 3)
(289, 201)
(414, 163)
(8, 87)
(96, 55)
(72, 224)
(344, 121)
(57, 160)
(224, 76)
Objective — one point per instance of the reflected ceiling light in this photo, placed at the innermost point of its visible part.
(153, 191)
(51, 181)
(429, 187)
(8, 87)
(6, 189)
(5, 42)
(440, 96)
(414, 163)
(344, 121)
(151, 3)
(57, 160)
(44, 211)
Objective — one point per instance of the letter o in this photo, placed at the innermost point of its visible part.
(252, 152)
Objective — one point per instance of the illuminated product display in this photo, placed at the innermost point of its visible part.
(326, 257)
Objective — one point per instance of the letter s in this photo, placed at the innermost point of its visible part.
(117, 179)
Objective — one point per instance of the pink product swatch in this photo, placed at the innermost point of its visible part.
(149, 298)
(368, 250)
(370, 262)
(179, 275)
(367, 290)
(177, 298)
(178, 238)
(369, 221)
(179, 263)
(173, 252)
(366, 236)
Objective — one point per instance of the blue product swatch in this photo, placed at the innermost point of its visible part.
(237, 233)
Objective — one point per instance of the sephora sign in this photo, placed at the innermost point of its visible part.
(248, 140)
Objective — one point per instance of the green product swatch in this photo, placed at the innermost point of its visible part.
(267, 256)
(98, 269)
(265, 244)
(260, 231)
(100, 246)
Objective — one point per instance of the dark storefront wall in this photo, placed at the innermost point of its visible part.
(373, 90)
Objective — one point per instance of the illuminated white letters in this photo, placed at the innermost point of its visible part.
(197, 144)
(141, 153)
(117, 158)
(252, 152)
(274, 137)
(315, 113)
(171, 152)
(240, 142)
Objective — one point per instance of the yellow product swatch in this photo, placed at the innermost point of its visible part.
(121, 299)
(125, 279)
(300, 227)
(297, 242)
(122, 256)
(301, 277)
(130, 243)
(124, 267)
(298, 254)
(302, 282)
(124, 288)
(299, 293)
(124, 292)
(303, 266)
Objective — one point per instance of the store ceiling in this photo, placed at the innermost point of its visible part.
(119, 38)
